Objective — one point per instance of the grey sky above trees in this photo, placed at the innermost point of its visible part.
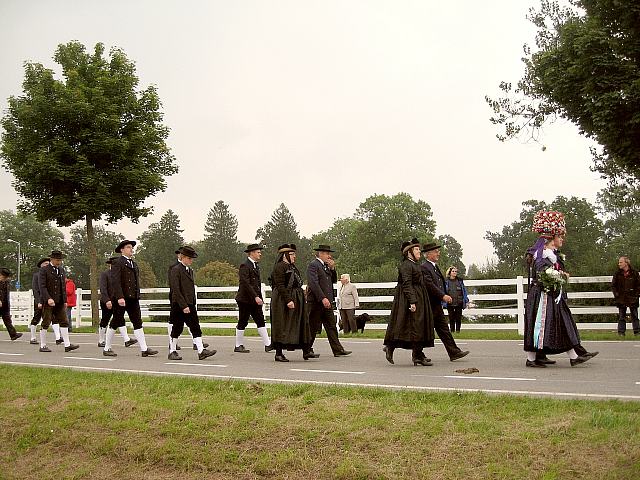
(288, 102)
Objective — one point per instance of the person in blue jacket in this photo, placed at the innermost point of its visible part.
(458, 292)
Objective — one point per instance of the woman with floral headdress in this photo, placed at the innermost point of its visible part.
(289, 321)
(549, 327)
(411, 322)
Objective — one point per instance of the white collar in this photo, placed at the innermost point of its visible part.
(318, 258)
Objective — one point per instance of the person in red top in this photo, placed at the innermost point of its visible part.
(70, 287)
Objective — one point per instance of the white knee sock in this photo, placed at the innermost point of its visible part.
(32, 329)
(43, 337)
(239, 337)
(56, 330)
(572, 354)
(64, 331)
(139, 333)
(173, 344)
(198, 343)
(169, 328)
(123, 332)
(109, 339)
(102, 333)
(262, 331)
(531, 356)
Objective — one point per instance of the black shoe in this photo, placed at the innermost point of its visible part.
(282, 358)
(590, 354)
(131, 341)
(16, 336)
(34, 342)
(101, 344)
(546, 361)
(535, 364)
(109, 353)
(579, 360)
(148, 352)
(206, 353)
(45, 349)
(269, 348)
(204, 345)
(241, 349)
(174, 356)
(309, 355)
(388, 351)
(59, 341)
(178, 347)
(422, 361)
(342, 353)
(71, 347)
(459, 355)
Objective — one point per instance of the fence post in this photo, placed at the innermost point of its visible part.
(31, 309)
(79, 307)
(520, 295)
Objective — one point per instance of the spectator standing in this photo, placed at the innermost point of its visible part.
(626, 289)
(348, 301)
(5, 307)
(454, 286)
(70, 287)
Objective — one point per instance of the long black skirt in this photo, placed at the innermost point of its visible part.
(289, 326)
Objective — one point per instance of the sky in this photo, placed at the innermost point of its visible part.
(319, 105)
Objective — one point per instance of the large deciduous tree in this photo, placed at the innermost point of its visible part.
(585, 68)
(88, 146)
(158, 245)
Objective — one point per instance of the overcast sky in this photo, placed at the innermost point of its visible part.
(320, 104)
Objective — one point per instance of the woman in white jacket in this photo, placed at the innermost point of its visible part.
(348, 302)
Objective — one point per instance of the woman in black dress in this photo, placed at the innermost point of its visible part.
(411, 322)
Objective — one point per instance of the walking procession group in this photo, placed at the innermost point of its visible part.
(298, 314)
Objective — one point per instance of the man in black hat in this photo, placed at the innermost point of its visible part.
(183, 304)
(437, 294)
(321, 276)
(249, 299)
(106, 308)
(5, 307)
(53, 295)
(37, 303)
(125, 282)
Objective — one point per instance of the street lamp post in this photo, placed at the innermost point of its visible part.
(18, 278)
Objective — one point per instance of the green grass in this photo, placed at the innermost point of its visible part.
(64, 424)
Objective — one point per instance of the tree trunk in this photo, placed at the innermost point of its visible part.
(93, 272)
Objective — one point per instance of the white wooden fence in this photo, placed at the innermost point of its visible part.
(215, 303)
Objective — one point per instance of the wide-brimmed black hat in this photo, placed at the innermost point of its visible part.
(188, 251)
(42, 260)
(178, 251)
(406, 246)
(287, 247)
(110, 260)
(57, 254)
(252, 247)
(324, 248)
(123, 243)
(5, 272)
(427, 247)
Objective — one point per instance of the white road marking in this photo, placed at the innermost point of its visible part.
(329, 383)
(89, 358)
(12, 354)
(325, 371)
(195, 364)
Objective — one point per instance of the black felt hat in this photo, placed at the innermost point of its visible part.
(178, 251)
(427, 247)
(252, 247)
(287, 247)
(324, 248)
(42, 260)
(188, 251)
(57, 254)
(5, 272)
(110, 260)
(406, 246)
(123, 243)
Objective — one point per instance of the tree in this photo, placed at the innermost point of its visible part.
(147, 277)
(78, 252)
(586, 69)
(451, 254)
(221, 236)
(88, 146)
(217, 274)
(158, 245)
(584, 246)
(37, 239)
(281, 228)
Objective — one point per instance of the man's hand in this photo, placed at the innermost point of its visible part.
(326, 303)
(109, 305)
(291, 305)
(412, 307)
(39, 306)
(186, 310)
(51, 303)
(259, 301)
(121, 302)
(447, 299)
(331, 263)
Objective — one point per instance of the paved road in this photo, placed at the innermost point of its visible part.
(614, 374)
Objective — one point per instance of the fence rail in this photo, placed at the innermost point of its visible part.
(217, 302)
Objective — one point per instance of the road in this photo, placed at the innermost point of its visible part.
(613, 374)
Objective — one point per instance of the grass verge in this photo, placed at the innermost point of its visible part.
(66, 424)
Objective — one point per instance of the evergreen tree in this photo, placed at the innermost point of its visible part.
(221, 236)
(159, 243)
(282, 228)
